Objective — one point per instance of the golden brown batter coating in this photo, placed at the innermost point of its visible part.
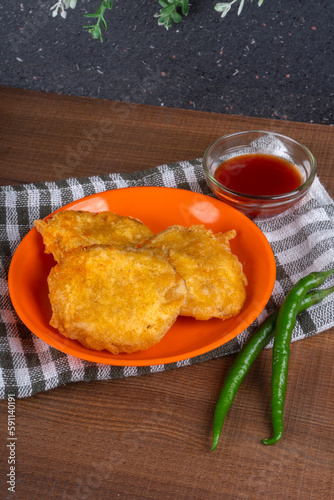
(71, 229)
(213, 275)
(122, 300)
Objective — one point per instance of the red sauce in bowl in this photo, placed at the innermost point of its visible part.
(258, 174)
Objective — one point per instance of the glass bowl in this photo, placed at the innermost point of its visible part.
(263, 143)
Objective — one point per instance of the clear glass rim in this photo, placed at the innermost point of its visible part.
(276, 197)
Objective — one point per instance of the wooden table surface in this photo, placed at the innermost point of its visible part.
(149, 437)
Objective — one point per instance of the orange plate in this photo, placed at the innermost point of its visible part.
(158, 207)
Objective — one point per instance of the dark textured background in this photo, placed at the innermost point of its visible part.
(273, 61)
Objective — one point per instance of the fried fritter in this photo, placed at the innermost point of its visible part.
(122, 300)
(213, 274)
(71, 229)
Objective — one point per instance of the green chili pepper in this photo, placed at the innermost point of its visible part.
(247, 356)
(285, 323)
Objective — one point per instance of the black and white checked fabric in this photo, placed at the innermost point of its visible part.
(302, 240)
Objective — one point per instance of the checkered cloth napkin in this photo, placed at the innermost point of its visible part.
(301, 239)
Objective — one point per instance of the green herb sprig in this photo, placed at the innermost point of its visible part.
(170, 12)
(95, 29)
(225, 7)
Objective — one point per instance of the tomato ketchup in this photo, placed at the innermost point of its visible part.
(258, 174)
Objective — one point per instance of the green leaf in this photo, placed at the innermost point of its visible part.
(241, 7)
(163, 3)
(177, 18)
(167, 10)
(92, 15)
(185, 7)
(222, 6)
(104, 23)
(107, 4)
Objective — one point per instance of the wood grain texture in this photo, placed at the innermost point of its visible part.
(51, 137)
(149, 437)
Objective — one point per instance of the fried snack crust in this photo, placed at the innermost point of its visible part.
(122, 300)
(213, 274)
(71, 229)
